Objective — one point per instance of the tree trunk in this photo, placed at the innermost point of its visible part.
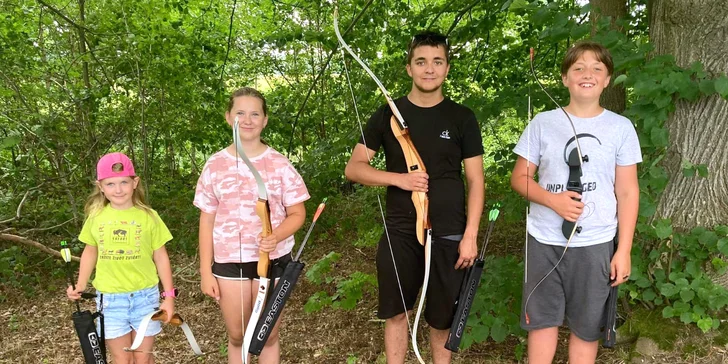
(695, 31)
(614, 97)
(88, 102)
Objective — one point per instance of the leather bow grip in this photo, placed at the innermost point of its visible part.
(162, 316)
(262, 209)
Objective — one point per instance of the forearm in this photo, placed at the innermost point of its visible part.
(88, 263)
(164, 269)
(531, 190)
(627, 210)
(362, 172)
(476, 198)
(205, 243)
(290, 225)
(206, 255)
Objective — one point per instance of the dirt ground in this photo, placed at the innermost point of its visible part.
(39, 330)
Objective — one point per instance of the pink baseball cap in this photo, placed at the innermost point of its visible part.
(104, 167)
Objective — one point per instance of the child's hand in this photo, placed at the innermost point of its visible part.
(208, 285)
(567, 205)
(74, 294)
(168, 307)
(620, 267)
(267, 244)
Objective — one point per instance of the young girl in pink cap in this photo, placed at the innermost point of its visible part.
(124, 241)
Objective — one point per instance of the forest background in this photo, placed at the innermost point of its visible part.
(151, 78)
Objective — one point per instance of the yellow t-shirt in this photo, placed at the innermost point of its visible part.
(126, 241)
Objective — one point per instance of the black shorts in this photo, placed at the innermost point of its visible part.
(443, 288)
(250, 269)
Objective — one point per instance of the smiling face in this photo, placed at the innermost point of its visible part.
(251, 116)
(586, 78)
(119, 191)
(428, 68)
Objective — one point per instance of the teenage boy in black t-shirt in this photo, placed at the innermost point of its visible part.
(446, 135)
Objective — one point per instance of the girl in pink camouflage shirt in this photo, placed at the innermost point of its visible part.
(229, 227)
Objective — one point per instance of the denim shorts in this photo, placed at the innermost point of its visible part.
(124, 312)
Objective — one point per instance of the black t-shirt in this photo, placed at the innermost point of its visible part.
(444, 135)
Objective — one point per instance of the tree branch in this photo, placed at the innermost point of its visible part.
(83, 39)
(51, 227)
(66, 18)
(20, 206)
(230, 39)
(323, 69)
(460, 16)
(34, 244)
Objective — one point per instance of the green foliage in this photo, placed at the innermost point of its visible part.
(172, 200)
(319, 273)
(14, 270)
(27, 272)
(647, 323)
(690, 170)
(14, 323)
(359, 216)
(347, 292)
(676, 273)
(496, 308)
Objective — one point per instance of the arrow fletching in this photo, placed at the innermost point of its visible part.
(492, 216)
(313, 223)
(65, 252)
(319, 210)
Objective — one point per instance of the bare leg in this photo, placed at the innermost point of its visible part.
(582, 352)
(440, 355)
(116, 348)
(542, 345)
(144, 354)
(396, 335)
(232, 313)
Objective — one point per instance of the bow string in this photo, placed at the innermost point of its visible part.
(414, 163)
(262, 209)
(575, 162)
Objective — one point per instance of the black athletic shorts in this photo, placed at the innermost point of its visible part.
(409, 255)
(250, 269)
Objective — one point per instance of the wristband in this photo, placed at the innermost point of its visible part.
(172, 293)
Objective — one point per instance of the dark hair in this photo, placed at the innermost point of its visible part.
(428, 38)
(600, 52)
(247, 91)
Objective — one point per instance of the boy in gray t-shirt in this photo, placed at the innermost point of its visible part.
(576, 206)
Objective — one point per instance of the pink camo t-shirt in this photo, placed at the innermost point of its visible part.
(228, 189)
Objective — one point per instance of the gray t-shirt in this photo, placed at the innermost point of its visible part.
(609, 140)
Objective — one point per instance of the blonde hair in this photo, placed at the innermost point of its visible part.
(97, 201)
